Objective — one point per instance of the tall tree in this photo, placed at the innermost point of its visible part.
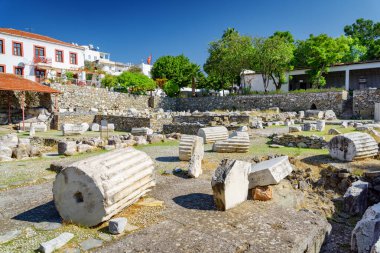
(367, 33)
(272, 58)
(228, 56)
(320, 52)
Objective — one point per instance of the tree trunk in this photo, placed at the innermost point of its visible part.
(193, 86)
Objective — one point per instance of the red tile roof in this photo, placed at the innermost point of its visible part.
(35, 36)
(12, 82)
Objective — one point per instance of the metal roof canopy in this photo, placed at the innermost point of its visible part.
(11, 82)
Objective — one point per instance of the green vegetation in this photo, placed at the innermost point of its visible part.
(177, 69)
(135, 82)
(109, 81)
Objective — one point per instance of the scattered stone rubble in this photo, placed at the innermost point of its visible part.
(301, 141)
(94, 189)
(11, 146)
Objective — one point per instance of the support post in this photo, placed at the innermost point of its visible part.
(56, 103)
(9, 109)
(23, 109)
(347, 80)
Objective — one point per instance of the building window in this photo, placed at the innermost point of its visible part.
(58, 55)
(39, 52)
(19, 71)
(73, 58)
(2, 46)
(2, 68)
(17, 48)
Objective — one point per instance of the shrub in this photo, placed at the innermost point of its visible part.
(137, 83)
(171, 88)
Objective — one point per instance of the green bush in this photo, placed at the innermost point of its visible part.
(109, 81)
(137, 83)
(171, 88)
(69, 75)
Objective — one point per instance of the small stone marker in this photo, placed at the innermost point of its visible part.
(95, 127)
(195, 164)
(90, 243)
(117, 225)
(56, 243)
(67, 148)
(230, 184)
(262, 193)
(9, 236)
(32, 131)
(309, 127)
(334, 131)
(355, 198)
(269, 172)
(321, 124)
(367, 230)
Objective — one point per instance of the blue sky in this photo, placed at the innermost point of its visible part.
(131, 30)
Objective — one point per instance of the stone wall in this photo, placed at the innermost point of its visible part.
(71, 118)
(286, 102)
(86, 97)
(364, 103)
(206, 120)
(191, 129)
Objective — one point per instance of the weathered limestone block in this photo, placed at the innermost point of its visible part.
(81, 148)
(141, 131)
(375, 134)
(295, 129)
(330, 115)
(195, 164)
(314, 114)
(238, 142)
(213, 134)
(355, 198)
(22, 151)
(269, 172)
(352, 146)
(74, 129)
(321, 124)
(367, 230)
(95, 127)
(344, 124)
(377, 112)
(230, 184)
(155, 138)
(32, 131)
(117, 225)
(93, 190)
(5, 152)
(140, 140)
(67, 148)
(309, 127)
(56, 243)
(301, 115)
(187, 145)
(9, 140)
(334, 131)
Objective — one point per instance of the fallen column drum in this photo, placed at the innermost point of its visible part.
(187, 145)
(94, 189)
(213, 134)
(352, 146)
(238, 142)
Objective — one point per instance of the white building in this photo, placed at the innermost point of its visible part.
(349, 76)
(111, 67)
(37, 57)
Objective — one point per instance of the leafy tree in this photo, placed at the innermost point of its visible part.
(367, 33)
(171, 88)
(228, 56)
(320, 52)
(136, 82)
(272, 58)
(109, 80)
(286, 35)
(176, 68)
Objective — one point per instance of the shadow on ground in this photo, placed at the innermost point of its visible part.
(46, 212)
(198, 201)
(318, 159)
(168, 159)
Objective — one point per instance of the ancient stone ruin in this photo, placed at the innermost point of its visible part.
(195, 164)
(92, 190)
(213, 134)
(237, 142)
(187, 145)
(352, 146)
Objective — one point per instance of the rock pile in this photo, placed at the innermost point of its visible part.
(19, 148)
(300, 141)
